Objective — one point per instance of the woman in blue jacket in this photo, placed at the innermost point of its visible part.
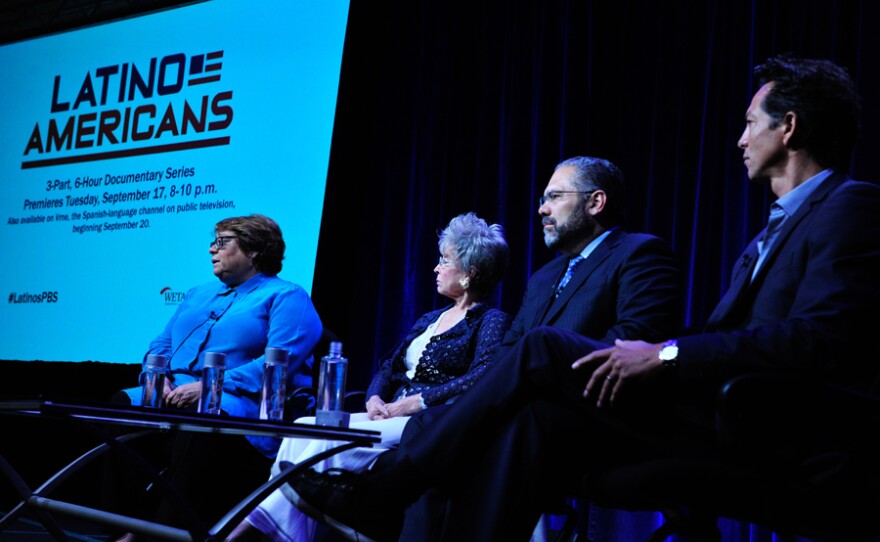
(251, 309)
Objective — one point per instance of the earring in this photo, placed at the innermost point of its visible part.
(465, 282)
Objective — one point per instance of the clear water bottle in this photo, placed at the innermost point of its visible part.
(331, 388)
(274, 392)
(212, 382)
(154, 381)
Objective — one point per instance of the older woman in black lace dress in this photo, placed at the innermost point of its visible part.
(443, 354)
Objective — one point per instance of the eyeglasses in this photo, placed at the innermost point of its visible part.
(443, 262)
(554, 196)
(221, 241)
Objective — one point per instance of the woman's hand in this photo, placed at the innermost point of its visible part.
(185, 395)
(406, 406)
(169, 387)
(376, 408)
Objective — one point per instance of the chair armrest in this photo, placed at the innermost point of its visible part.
(300, 402)
(757, 412)
(355, 401)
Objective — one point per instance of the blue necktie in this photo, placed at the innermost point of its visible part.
(774, 224)
(568, 273)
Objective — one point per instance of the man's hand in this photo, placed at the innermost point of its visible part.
(376, 408)
(185, 395)
(617, 367)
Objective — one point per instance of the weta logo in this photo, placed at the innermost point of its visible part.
(171, 297)
(133, 109)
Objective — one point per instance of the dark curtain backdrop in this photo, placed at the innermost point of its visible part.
(449, 107)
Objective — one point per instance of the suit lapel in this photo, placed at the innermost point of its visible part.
(739, 283)
(806, 208)
(581, 274)
(742, 281)
(546, 292)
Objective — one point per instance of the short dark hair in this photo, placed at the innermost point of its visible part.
(599, 174)
(824, 98)
(260, 234)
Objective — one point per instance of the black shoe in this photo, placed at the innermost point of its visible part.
(337, 498)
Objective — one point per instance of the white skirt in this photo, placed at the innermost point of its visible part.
(276, 517)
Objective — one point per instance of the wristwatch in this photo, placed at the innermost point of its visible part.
(669, 354)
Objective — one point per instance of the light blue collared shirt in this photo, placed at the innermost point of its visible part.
(585, 253)
(783, 209)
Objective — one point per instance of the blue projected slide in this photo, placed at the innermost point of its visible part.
(123, 144)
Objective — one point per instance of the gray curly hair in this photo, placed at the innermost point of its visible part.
(478, 246)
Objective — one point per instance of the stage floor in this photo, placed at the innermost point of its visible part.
(77, 530)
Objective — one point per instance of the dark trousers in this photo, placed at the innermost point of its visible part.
(211, 473)
(424, 519)
(523, 436)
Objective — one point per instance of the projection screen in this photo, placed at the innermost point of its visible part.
(124, 143)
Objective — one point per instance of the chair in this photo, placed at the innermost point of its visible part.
(302, 401)
(798, 457)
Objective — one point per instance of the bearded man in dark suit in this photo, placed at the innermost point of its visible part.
(622, 285)
(606, 284)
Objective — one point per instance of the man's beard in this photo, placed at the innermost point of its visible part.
(570, 233)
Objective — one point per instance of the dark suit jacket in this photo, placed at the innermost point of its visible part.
(628, 288)
(812, 306)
